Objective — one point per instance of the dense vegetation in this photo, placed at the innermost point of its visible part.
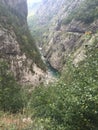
(72, 103)
(87, 12)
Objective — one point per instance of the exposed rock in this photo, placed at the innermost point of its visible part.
(63, 40)
(20, 65)
(15, 45)
(8, 43)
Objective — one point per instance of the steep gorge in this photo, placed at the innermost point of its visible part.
(64, 28)
(17, 47)
(67, 39)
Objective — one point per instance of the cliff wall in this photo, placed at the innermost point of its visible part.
(17, 47)
(64, 27)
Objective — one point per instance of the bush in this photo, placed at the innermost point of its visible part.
(10, 92)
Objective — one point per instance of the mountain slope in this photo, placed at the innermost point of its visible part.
(64, 29)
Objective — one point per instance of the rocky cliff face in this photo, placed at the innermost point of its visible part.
(66, 29)
(55, 9)
(20, 65)
(17, 47)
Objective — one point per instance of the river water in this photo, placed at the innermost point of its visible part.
(51, 70)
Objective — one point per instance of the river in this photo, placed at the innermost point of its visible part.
(51, 70)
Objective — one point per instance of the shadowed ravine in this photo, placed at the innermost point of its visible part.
(55, 73)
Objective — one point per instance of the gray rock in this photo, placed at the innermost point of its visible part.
(62, 40)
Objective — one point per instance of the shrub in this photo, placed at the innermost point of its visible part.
(10, 92)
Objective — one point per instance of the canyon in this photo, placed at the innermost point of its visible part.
(49, 65)
(60, 34)
(63, 30)
(17, 47)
